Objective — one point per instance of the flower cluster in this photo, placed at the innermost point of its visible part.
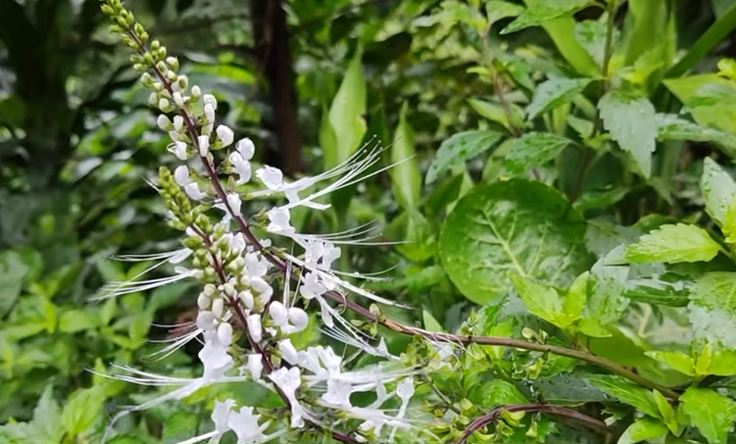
(239, 272)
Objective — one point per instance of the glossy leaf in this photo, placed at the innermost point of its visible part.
(533, 150)
(643, 429)
(405, 175)
(718, 190)
(516, 226)
(458, 149)
(554, 92)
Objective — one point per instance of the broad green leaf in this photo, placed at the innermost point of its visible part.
(496, 392)
(672, 127)
(643, 429)
(542, 301)
(346, 113)
(554, 92)
(72, 321)
(497, 10)
(577, 294)
(533, 150)
(674, 244)
(327, 137)
(82, 408)
(516, 226)
(712, 309)
(632, 122)
(544, 11)
(679, 361)
(47, 416)
(627, 392)
(496, 113)
(430, 323)
(405, 175)
(458, 149)
(592, 36)
(718, 189)
(709, 98)
(712, 413)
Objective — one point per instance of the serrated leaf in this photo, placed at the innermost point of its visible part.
(496, 113)
(543, 301)
(12, 273)
(532, 150)
(626, 392)
(520, 226)
(346, 113)
(679, 361)
(81, 409)
(497, 10)
(458, 149)
(632, 122)
(674, 244)
(709, 98)
(554, 92)
(712, 413)
(673, 127)
(718, 188)
(643, 429)
(405, 175)
(496, 393)
(542, 12)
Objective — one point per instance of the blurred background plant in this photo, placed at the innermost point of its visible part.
(576, 95)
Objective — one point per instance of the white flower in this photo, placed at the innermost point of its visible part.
(247, 298)
(280, 221)
(179, 149)
(181, 176)
(245, 425)
(233, 201)
(214, 356)
(245, 148)
(225, 135)
(209, 99)
(255, 265)
(163, 122)
(193, 191)
(278, 313)
(220, 415)
(178, 99)
(289, 381)
(272, 177)
(289, 321)
(255, 366)
(254, 327)
(196, 91)
(288, 352)
(206, 320)
(203, 142)
(209, 112)
(178, 122)
(163, 104)
(241, 167)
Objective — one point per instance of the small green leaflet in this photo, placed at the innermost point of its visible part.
(497, 10)
(546, 303)
(533, 149)
(712, 413)
(544, 11)
(496, 113)
(718, 190)
(643, 429)
(458, 149)
(554, 92)
(708, 362)
(632, 122)
(674, 243)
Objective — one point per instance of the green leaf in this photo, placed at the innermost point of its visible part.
(650, 18)
(12, 272)
(712, 309)
(346, 113)
(554, 92)
(643, 429)
(496, 392)
(674, 244)
(544, 11)
(458, 149)
(709, 98)
(712, 413)
(81, 409)
(497, 10)
(716, 289)
(47, 416)
(718, 188)
(405, 175)
(72, 321)
(496, 113)
(430, 323)
(532, 150)
(516, 226)
(672, 127)
(679, 361)
(632, 122)
(626, 392)
(543, 301)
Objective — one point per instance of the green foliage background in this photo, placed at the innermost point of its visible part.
(564, 175)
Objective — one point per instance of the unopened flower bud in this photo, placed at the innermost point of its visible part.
(254, 327)
(225, 135)
(218, 307)
(204, 145)
(203, 302)
(163, 122)
(298, 318)
(278, 312)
